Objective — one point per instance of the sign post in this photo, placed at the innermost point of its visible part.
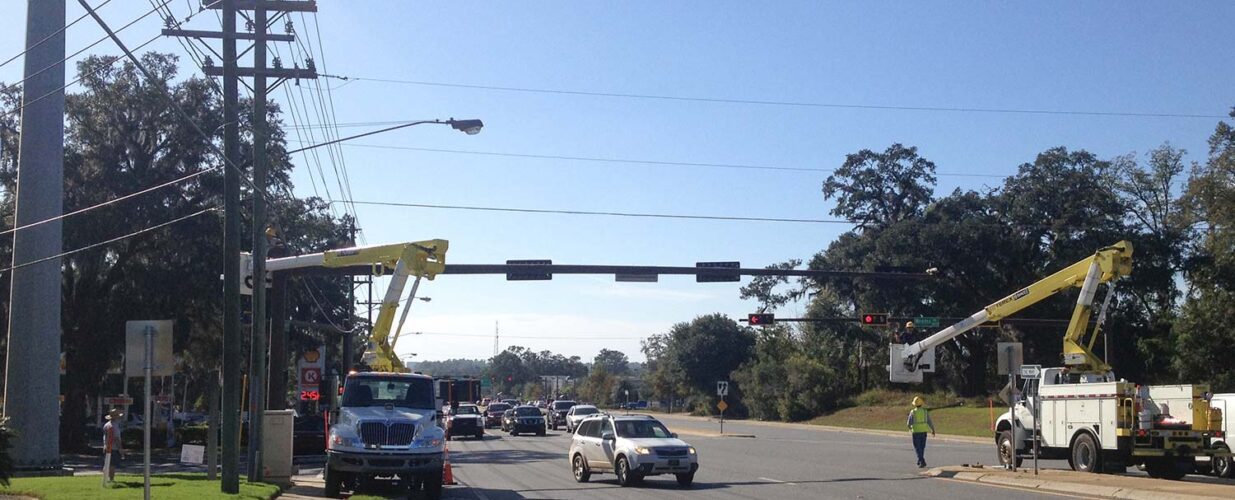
(146, 409)
(1034, 372)
(722, 390)
(148, 348)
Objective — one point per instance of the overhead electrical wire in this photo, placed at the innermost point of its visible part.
(49, 37)
(609, 214)
(630, 160)
(22, 107)
(803, 104)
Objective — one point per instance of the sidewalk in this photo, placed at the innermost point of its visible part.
(1085, 484)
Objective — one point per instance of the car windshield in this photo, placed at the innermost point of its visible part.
(527, 412)
(586, 410)
(498, 407)
(641, 429)
(563, 405)
(467, 410)
(402, 392)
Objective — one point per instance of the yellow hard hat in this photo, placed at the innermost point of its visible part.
(909, 324)
(918, 401)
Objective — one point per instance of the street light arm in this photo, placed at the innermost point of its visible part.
(469, 127)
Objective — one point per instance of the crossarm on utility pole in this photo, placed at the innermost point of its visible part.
(1105, 265)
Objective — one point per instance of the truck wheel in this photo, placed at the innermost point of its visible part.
(579, 467)
(433, 486)
(333, 482)
(622, 469)
(540, 432)
(1007, 453)
(1165, 468)
(1222, 466)
(480, 435)
(1085, 457)
(684, 480)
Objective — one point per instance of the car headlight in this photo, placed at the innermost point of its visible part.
(643, 451)
(692, 450)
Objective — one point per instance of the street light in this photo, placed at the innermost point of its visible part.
(469, 127)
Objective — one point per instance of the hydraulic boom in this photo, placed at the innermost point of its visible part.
(1104, 266)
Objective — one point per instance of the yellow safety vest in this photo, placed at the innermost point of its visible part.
(919, 421)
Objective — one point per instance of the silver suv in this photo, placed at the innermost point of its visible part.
(632, 447)
(577, 413)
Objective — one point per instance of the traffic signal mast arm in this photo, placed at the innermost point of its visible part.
(1105, 265)
(422, 259)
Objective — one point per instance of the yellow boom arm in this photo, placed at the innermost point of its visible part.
(422, 259)
(1103, 266)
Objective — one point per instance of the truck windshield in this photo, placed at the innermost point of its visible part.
(524, 411)
(377, 391)
(563, 405)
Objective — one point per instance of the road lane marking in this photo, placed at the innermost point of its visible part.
(777, 481)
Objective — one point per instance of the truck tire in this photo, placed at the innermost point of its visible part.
(1222, 466)
(334, 482)
(684, 480)
(1165, 468)
(433, 486)
(1085, 455)
(1007, 453)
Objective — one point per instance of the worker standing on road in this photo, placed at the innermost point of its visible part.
(113, 444)
(920, 422)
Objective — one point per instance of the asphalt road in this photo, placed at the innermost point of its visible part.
(780, 462)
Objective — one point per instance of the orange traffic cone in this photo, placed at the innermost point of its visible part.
(448, 477)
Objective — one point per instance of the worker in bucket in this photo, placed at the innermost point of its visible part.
(920, 422)
(113, 444)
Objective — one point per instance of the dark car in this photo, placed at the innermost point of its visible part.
(493, 414)
(525, 418)
(309, 435)
(466, 420)
(557, 412)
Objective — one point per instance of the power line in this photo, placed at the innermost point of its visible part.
(528, 337)
(110, 241)
(111, 201)
(630, 160)
(611, 214)
(78, 79)
(763, 102)
(48, 37)
(75, 54)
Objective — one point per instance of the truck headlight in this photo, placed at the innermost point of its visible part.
(643, 450)
(427, 442)
(347, 441)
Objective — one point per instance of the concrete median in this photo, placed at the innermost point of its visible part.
(1067, 482)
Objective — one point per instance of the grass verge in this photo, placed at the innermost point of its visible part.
(885, 409)
(186, 486)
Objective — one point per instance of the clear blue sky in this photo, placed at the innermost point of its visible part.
(1080, 56)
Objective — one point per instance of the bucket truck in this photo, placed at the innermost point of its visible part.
(1097, 422)
(386, 424)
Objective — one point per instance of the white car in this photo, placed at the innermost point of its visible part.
(632, 447)
(577, 413)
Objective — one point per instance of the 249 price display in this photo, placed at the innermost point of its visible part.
(310, 395)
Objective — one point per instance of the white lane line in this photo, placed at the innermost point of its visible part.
(777, 481)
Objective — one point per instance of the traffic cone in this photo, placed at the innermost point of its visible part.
(448, 476)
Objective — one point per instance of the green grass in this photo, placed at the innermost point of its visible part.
(163, 486)
(886, 409)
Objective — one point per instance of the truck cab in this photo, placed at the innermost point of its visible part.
(386, 428)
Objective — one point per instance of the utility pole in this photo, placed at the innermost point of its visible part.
(32, 379)
(496, 329)
(232, 341)
(348, 357)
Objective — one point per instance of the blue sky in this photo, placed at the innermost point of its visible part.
(1076, 56)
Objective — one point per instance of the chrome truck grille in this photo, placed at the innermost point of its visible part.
(387, 434)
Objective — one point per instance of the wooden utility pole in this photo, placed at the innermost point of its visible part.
(232, 354)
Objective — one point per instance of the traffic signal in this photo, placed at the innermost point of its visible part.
(874, 319)
(761, 319)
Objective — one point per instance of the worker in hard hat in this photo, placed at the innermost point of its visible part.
(113, 444)
(920, 422)
(909, 335)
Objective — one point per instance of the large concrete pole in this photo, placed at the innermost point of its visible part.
(32, 380)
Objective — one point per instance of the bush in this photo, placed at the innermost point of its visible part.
(6, 461)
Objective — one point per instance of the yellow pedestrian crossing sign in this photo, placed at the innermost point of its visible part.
(722, 405)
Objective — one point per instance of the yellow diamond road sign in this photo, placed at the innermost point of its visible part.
(722, 405)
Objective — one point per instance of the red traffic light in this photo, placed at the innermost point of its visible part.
(761, 319)
(874, 319)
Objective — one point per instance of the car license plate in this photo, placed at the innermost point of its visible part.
(673, 463)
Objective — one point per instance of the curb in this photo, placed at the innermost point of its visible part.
(1061, 487)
